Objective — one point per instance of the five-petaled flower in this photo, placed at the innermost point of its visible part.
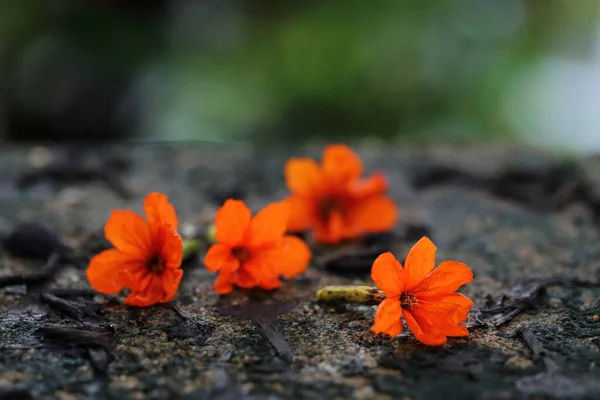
(332, 199)
(426, 296)
(146, 257)
(255, 251)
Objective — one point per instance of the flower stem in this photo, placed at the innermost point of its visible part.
(191, 247)
(211, 232)
(350, 294)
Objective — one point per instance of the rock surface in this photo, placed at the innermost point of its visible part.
(525, 222)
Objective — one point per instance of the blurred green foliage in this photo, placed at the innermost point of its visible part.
(284, 70)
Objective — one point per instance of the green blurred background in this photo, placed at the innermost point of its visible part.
(291, 71)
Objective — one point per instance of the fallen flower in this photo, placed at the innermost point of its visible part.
(426, 296)
(255, 251)
(146, 257)
(332, 199)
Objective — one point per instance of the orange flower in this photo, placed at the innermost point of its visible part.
(333, 200)
(425, 295)
(146, 257)
(254, 251)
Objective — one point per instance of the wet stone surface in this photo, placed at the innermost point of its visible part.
(526, 223)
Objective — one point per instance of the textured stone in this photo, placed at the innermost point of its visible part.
(523, 221)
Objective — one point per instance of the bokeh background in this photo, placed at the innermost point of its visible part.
(291, 71)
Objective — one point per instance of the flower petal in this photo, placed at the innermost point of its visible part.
(169, 245)
(269, 225)
(137, 279)
(138, 299)
(171, 278)
(301, 215)
(246, 278)
(232, 222)
(443, 315)
(302, 175)
(445, 279)
(440, 318)
(294, 256)
(288, 257)
(464, 306)
(219, 258)
(332, 232)
(262, 266)
(224, 282)
(104, 271)
(388, 274)
(128, 232)
(270, 284)
(456, 330)
(419, 262)
(374, 185)
(154, 290)
(388, 317)
(340, 164)
(159, 211)
(375, 214)
(432, 338)
(455, 306)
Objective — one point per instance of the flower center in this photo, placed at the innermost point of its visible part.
(155, 264)
(241, 253)
(408, 300)
(328, 205)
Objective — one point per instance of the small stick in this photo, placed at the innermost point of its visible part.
(183, 314)
(15, 280)
(71, 308)
(59, 334)
(34, 279)
(71, 292)
(275, 337)
(537, 348)
(262, 315)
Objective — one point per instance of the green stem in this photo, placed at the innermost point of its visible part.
(211, 233)
(191, 247)
(350, 294)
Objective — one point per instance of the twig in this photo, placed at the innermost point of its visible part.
(59, 334)
(276, 338)
(71, 308)
(262, 315)
(537, 348)
(34, 280)
(70, 292)
(184, 314)
(524, 295)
